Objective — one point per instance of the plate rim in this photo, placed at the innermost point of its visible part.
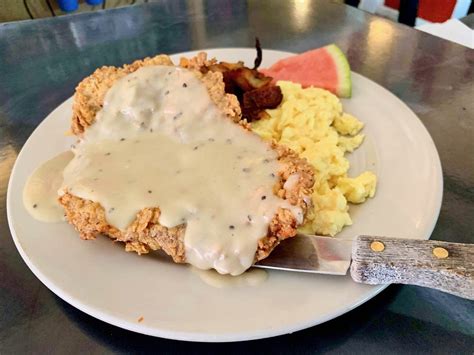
(205, 337)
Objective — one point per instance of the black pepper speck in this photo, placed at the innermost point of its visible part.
(35, 205)
(231, 227)
(185, 85)
(122, 139)
(264, 197)
(107, 153)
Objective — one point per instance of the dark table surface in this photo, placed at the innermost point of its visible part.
(468, 21)
(41, 62)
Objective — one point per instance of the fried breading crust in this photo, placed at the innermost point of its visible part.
(145, 233)
(90, 93)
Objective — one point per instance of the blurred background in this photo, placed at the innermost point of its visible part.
(409, 12)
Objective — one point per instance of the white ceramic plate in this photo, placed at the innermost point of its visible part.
(99, 278)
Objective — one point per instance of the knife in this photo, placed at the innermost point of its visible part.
(444, 266)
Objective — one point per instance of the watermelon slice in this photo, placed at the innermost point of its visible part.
(325, 67)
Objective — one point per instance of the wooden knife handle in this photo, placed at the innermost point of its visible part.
(448, 267)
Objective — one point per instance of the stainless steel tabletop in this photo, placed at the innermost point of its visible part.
(41, 62)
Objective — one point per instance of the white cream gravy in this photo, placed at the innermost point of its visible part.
(252, 277)
(160, 141)
(40, 194)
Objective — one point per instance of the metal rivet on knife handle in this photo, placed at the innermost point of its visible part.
(448, 267)
(440, 253)
(377, 246)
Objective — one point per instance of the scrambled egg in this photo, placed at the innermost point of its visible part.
(312, 123)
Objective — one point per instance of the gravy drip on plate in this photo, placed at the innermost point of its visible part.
(160, 141)
(40, 194)
(251, 278)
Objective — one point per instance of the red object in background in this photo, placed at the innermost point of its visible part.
(430, 10)
(394, 4)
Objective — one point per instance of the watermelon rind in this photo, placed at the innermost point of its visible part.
(344, 87)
